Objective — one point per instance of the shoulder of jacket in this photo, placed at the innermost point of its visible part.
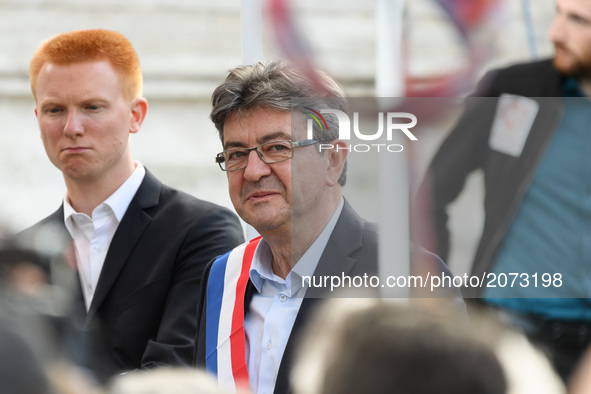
(519, 79)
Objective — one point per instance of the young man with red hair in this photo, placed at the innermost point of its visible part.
(140, 246)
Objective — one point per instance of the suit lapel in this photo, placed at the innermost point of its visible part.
(336, 259)
(132, 226)
(283, 384)
(250, 291)
(339, 255)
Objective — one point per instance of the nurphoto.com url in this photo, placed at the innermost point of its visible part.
(434, 282)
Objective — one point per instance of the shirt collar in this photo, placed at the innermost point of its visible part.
(118, 201)
(261, 269)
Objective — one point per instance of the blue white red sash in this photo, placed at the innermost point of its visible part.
(225, 348)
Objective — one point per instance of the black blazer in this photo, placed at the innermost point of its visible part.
(351, 250)
(148, 289)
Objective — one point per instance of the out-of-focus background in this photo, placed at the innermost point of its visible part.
(186, 46)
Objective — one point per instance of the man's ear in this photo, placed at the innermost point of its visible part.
(139, 108)
(337, 157)
(37, 116)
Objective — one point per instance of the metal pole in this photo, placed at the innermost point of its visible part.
(252, 50)
(252, 31)
(529, 29)
(393, 173)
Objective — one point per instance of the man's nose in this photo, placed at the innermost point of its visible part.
(74, 125)
(256, 168)
(556, 32)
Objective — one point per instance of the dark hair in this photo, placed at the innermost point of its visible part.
(388, 349)
(370, 345)
(278, 86)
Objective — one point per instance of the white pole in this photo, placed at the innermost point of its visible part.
(252, 32)
(529, 29)
(389, 65)
(393, 172)
(252, 50)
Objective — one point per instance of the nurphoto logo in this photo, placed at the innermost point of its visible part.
(391, 122)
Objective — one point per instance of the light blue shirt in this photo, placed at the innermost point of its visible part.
(273, 311)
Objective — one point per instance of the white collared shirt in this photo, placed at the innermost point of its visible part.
(92, 236)
(273, 311)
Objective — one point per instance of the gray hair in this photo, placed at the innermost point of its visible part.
(279, 86)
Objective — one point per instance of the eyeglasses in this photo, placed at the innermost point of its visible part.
(269, 152)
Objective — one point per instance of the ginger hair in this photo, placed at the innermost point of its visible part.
(89, 46)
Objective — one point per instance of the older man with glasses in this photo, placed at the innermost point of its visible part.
(291, 193)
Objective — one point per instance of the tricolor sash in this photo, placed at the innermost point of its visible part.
(225, 347)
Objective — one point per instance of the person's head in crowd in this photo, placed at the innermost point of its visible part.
(37, 322)
(165, 380)
(263, 106)
(22, 270)
(41, 266)
(570, 33)
(379, 346)
(87, 87)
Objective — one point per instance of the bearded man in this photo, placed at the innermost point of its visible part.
(527, 129)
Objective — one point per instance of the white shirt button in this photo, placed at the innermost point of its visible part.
(283, 297)
(268, 345)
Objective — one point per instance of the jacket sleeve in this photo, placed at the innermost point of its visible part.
(213, 235)
(462, 152)
(199, 358)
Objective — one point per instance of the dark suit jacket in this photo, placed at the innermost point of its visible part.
(506, 177)
(149, 286)
(351, 250)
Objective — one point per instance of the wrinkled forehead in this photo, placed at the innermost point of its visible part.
(259, 125)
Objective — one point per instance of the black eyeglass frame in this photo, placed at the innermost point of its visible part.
(220, 158)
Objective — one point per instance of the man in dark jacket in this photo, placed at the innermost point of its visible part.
(140, 246)
(527, 129)
(256, 298)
